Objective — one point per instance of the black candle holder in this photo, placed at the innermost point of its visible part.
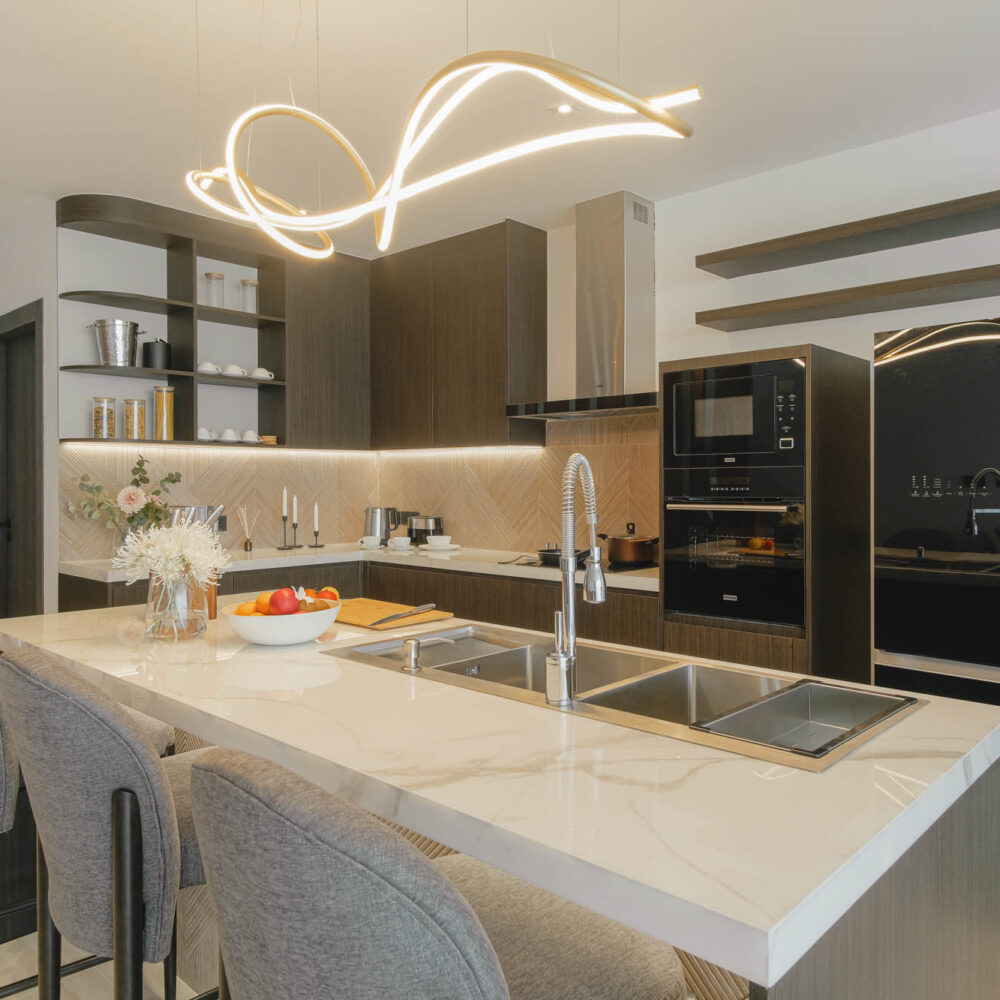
(296, 544)
(284, 546)
(316, 543)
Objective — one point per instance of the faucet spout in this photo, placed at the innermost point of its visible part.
(971, 524)
(560, 672)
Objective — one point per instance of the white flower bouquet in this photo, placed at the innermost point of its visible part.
(181, 562)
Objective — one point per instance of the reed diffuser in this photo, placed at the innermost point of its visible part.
(247, 523)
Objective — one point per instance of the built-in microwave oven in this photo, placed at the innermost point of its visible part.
(735, 415)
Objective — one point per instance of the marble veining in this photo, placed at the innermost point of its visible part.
(738, 861)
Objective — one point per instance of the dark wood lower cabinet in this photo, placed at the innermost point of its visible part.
(773, 649)
(17, 874)
(78, 594)
(627, 617)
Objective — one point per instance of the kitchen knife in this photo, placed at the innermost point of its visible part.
(403, 614)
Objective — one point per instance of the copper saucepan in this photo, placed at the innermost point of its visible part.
(630, 548)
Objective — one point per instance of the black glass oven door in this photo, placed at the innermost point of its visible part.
(740, 561)
(729, 416)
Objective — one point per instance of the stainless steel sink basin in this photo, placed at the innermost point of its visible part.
(809, 718)
(686, 694)
(486, 657)
(779, 718)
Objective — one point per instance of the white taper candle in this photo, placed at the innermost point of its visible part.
(284, 501)
(295, 510)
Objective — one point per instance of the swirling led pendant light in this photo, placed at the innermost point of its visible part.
(452, 85)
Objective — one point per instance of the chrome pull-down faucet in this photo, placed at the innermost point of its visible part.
(971, 525)
(560, 664)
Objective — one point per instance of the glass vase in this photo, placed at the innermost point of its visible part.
(176, 610)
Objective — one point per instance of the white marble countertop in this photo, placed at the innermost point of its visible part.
(741, 862)
(492, 562)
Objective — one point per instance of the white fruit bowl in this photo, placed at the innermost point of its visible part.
(280, 630)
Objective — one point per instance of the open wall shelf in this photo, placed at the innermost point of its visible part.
(928, 289)
(130, 301)
(959, 217)
(171, 444)
(153, 374)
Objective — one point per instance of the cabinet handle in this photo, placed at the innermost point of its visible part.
(739, 508)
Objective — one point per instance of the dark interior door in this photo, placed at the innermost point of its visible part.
(20, 505)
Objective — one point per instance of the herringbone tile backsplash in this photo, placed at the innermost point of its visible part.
(501, 498)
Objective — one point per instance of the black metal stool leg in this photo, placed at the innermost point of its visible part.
(170, 967)
(126, 880)
(49, 939)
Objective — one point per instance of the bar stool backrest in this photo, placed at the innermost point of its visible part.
(10, 777)
(318, 899)
(76, 748)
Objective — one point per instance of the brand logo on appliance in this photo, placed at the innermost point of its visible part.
(730, 597)
(729, 460)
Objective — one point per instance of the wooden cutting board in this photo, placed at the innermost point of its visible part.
(363, 611)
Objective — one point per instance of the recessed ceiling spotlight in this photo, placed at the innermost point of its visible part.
(564, 108)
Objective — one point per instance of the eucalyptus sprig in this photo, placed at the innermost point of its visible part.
(134, 506)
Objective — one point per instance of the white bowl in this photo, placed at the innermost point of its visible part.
(280, 630)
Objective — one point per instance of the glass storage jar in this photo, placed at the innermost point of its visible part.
(248, 294)
(104, 417)
(215, 289)
(163, 413)
(135, 419)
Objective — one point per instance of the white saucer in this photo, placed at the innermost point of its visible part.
(261, 378)
(371, 548)
(440, 548)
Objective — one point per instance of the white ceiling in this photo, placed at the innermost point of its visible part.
(105, 95)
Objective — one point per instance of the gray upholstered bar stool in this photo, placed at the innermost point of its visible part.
(115, 831)
(318, 899)
(18, 846)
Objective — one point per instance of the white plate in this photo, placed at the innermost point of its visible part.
(261, 378)
(440, 548)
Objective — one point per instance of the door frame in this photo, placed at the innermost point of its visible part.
(12, 324)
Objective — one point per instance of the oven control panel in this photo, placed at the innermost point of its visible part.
(787, 413)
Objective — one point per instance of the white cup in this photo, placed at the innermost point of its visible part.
(371, 541)
(263, 374)
(229, 435)
(251, 437)
(439, 541)
(209, 368)
(206, 434)
(232, 369)
(401, 543)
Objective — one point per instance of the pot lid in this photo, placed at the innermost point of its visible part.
(630, 535)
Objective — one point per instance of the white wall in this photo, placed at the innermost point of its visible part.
(950, 161)
(28, 273)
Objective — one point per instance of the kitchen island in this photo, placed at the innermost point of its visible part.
(878, 878)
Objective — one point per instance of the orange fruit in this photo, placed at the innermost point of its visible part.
(247, 608)
(264, 602)
(257, 614)
(329, 594)
(310, 592)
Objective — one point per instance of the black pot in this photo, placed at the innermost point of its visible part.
(550, 557)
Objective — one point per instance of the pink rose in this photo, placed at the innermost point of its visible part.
(131, 500)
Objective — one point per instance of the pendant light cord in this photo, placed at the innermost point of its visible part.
(197, 82)
(256, 74)
(319, 162)
(291, 55)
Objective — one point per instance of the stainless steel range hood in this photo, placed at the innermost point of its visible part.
(615, 319)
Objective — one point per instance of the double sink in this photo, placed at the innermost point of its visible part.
(805, 723)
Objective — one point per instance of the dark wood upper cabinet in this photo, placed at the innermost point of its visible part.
(401, 351)
(328, 353)
(458, 332)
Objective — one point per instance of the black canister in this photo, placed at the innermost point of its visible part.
(156, 354)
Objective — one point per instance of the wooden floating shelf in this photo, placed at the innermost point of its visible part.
(975, 214)
(235, 317)
(926, 290)
(169, 444)
(157, 374)
(231, 380)
(129, 300)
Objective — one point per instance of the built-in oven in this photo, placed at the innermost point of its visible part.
(735, 559)
(735, 415)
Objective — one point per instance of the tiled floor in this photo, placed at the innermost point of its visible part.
(17, 961)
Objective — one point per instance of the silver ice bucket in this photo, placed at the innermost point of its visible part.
(116, 341)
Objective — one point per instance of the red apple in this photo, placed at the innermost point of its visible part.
(284, 602)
